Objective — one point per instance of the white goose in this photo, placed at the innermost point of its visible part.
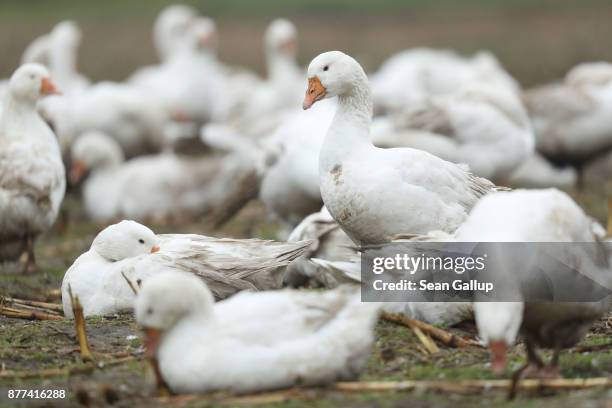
(413, 75)
(375, 194)
(133, 250)
(153, 186)
(58, 50)
(170, 27)
(253, 107)
(571, 119)
(290, 188)
(253, 341)
(32, 179)
(537, 216)
(481, 125)
(190, 82)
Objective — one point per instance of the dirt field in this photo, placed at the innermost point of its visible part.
(32, 346)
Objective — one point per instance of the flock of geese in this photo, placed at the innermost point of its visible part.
(417, 150)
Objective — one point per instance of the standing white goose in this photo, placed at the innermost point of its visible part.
(131, 249)
(32, 179)
(170, 27)
(253, 341)
(373, 193)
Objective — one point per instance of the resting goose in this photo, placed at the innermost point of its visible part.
(413, 75)
(537, 216)
(481, 125)
(32, 179)
(253, 341)
(152, 186)
(128, 248)
(571, 119)
(373, 193)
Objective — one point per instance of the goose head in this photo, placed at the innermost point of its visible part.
(281, 38)
(498, 326)
(30, 82)
(203, 34)
(125, 239)
(167, 298)
(93, 151)
(170, 28)
(332, 74)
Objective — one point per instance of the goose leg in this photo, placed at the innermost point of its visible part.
(534, 364)
(27, 260)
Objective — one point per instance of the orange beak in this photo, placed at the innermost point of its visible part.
(154, 249)
(77, 172)
(289, 47)
(315, 92)
(152, 338)
(48, 88)
(498, 356)
(207, 40)
(179, 115)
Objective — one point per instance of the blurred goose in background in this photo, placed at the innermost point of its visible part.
(195, 77)
(131, 249)
(256, 108)
(413, 75)
(170, 27)
(373, 193)
(537, 216)
(253, 341)
(571, 119)
(58, 51)
(537, 172)
(133, 118)
(32, 179)
(290, 187)
(481, 125)
(153, 186)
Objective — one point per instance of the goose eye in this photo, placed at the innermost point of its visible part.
(32, 76)
(141, 241)
(150, 311)
(325, 68)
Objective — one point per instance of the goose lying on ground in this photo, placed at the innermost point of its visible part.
(373, 193)
(32, 179)
(253, 341)
(115, 188)
(571, 120)
(483, 126)
(538, 216)
(413, 75)
(227, 265)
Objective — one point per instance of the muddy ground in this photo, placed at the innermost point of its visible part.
(32, 346)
